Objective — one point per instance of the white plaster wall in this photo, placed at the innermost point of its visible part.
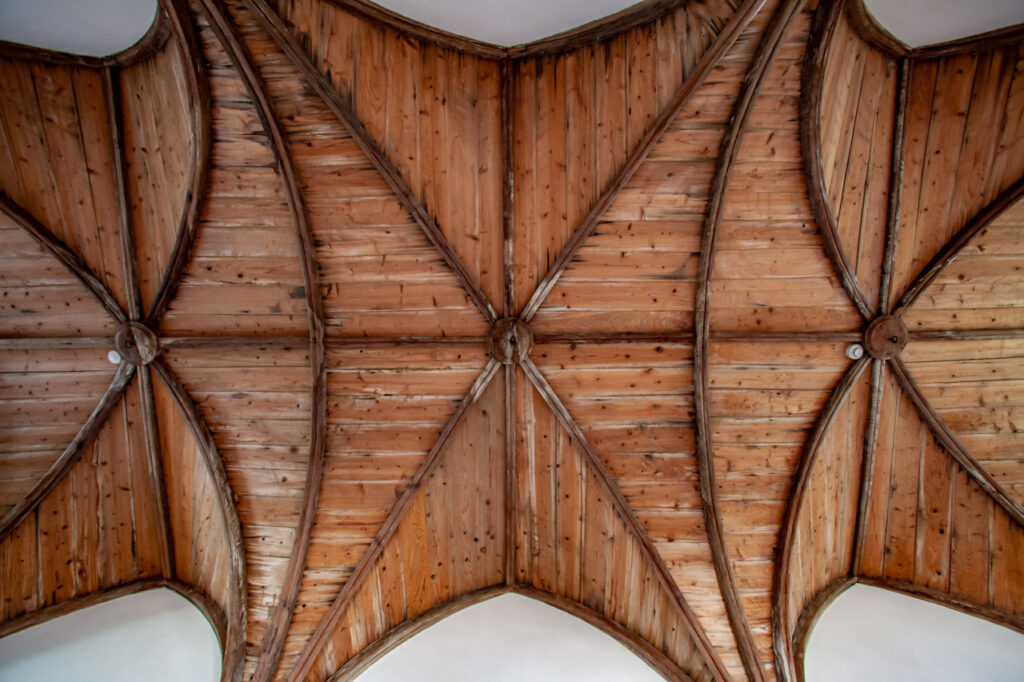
(869, 633)
(510, 638)
(156, 636)
(924, 22)
(90, 27)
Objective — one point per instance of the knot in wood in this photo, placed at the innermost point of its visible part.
(885, 337)
(136, 343)
(511, 341)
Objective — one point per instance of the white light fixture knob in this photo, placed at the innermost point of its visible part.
(855, 351)
(114, 357)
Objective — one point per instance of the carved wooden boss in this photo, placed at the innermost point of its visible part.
(588, 319)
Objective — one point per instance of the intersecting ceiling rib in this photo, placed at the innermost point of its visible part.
(681, 325)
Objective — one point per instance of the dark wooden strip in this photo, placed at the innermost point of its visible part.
(510, 473)
(809, 617)
(273, 25)
(157, 482)
(508, 187)
(59, 469)
(708, 61)
(895, 198)
(364, 567)
(62, 253)
(112, 89)
(779, 28)
(689, 337)
(199, 104)
(277, 628)
(626, 513)
(56, 343)
(967, 335)
(287, 342)
(199, 599)
(822, 29)
(781, 640)
(150, 42)
(868, 462)
(958, 243)
(867, 27)
(235, 636)
(948, 440)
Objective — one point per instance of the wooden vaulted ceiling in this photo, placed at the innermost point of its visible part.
(407, 321)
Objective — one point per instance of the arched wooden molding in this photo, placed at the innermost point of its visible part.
(152, 41)
(199, 105)
(865, 24)
(408, 629)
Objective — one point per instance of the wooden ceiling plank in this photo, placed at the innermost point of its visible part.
(56, 343)
(899, 150)
(782, 641)
(71, 453)
(961, 240)
(868, 465)
(945, 436)
(771, 41)
(277, 628)
(510, 473)
(62, 253)
(822, 31)
(198, 90)
(600, 471)
(366, 562)
(507, 185)
(707, 63)
(275, 27)
(234, 643)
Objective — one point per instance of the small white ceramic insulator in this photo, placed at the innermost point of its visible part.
(114, 357)
(855, 351)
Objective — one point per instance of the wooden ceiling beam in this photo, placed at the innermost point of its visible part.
(948, 440)
(895, 194)
(629, 517)
(62, 253)
(822, 29)
(56, 342)
(63, 464)
(961, 240)
(235, 637)
(705, 66)
(779, 27)
(280, 618)
(275, 27)
(198, 89)
(868, 461)
(781, 641)
(364, 567)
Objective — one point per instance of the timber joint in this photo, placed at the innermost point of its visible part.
(511, 341)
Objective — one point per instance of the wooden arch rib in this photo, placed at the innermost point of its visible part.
(275, 27)
(233, 43)
(780, 26)
(364, 567)
(408, 629)
(234, 644)
(782, 643)
(199, 104)
(202, 601)
(739, 20)
(822, 30)
(871, 31)
(151, 41)
(62, 253)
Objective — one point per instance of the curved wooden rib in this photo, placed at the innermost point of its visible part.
(234, 647)
(782, 642)
(59, 469)
(958, 243)
(707, 63)
(953, 446)
(781, 23)
(273, 25)
(277, 629)
(199, 599)
(151, 41)
(822, 30)
(600, 471)
(899, 152)
(390, 525)
(402, 633)
(868, 464)
(61, 252)
(876, 35)
(199, 105)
